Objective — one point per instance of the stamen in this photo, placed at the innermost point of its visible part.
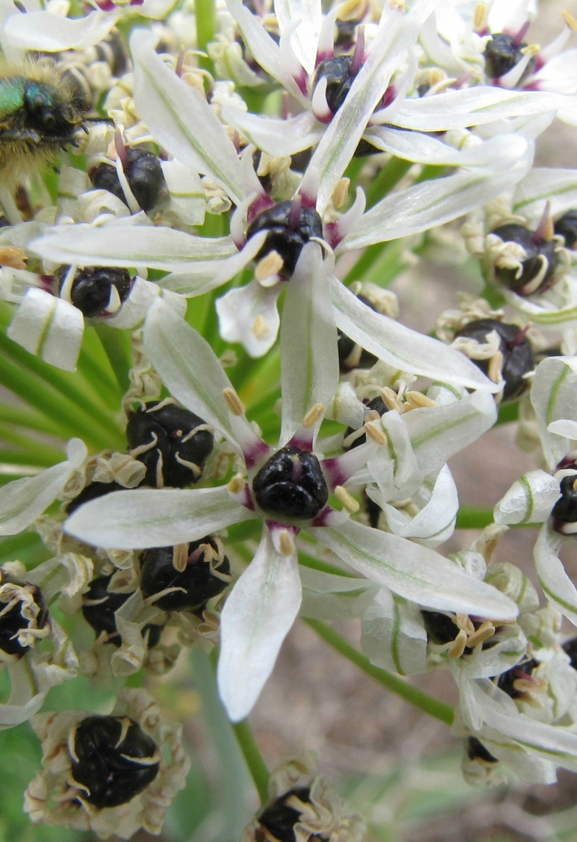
(569, 19)
(286, 543)
(260, 329)
(13, 257)
(341, 192)
(480, 17)
(458, 646)
(484, 632)
(375, 433)
(496, 367)
(313, 415)
(269, 265)
(233, 401)
(125, 723)
(349, 503)
(392, 400)
(237, 484)
(416, 400)
(180, 557)
(359, 52)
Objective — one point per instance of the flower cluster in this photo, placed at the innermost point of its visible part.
(198, 303)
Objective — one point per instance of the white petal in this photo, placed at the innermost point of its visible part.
(187, 197)
(414, 572)
(249, 315)
(327, 596)
(275, 136)
(48, 327)
(141, 246)
(474, 106)
(255, 620)
(555, 582)
(304, 17)
(310, 365)
(148, 517)
(27, 695)
(546, 184)
(23, 500)
(529, 500)
(189, 368)
(51, 33)
(401, 347)
(439, 432)
(554, 398)
(180, 118)
(394, 468)
(142, 296)
(393, 636)
(502, 162)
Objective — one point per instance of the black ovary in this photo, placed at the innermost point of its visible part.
(279, 818)
(157, 572)
(565, 509)
(518, 357)
(339, 80)
(570, 648)
(346, 346)
(286, 240)
(535, 249)
(502, 54)
(440, 628)
(110, 778)
(92, 285)
(291, 484)
(376, 404)
(170, 424)
(477, 751)
(144, 175)
(567, 227)
(12, 621)
(92, 492)
(101, 617)
(507, 679)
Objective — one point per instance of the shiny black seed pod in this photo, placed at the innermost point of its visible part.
(291, 485)
(537, 250)
(197, 582)
(99, 605)
(339, 80)
(350, 354)
(564, 513)
(284, 238)
(279, 818)
(164, 438)
(92, 492)
(112, 766)
(566, 225)
(144, 175)
(372, 509)
(502, 53)
(92, 285)
(477, 751)
(517, 353)
(378, 405)
(345, 32)
(570, 648)
(12, 620)
(507, 679)
(439, 627)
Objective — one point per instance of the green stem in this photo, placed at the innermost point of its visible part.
(205, 28)
(471, 517)
(508, 412)
(428, 704)
(253, 758)
(391, 174)
(115, 349)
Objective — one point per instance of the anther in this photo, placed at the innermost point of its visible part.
(313, 415)
(480, 17)
(349, 503)
(375, 433)
(286, 543)
(458, 646)
(180, 557)
(495, 371)
(569, 19)
(260, 329)
(236, 484)
(233, 401)
(272, 264)
(341, 192)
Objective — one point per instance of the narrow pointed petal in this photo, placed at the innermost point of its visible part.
(473, 107)
(46, 31)
(393, 636)
(546, 184)
(189, 368)
(414, 572)
(180, 118)
(330, 597)
(556, 584)
(505, 161)
(139, 246)
(142, 296)
(23, 500)
(272, 135)
(554, 398)
(147, 517)
(529, 500)
(310, 365)
(255, 620)
(401, 347)
(49, 328)
(305, 18)
(249, 315)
